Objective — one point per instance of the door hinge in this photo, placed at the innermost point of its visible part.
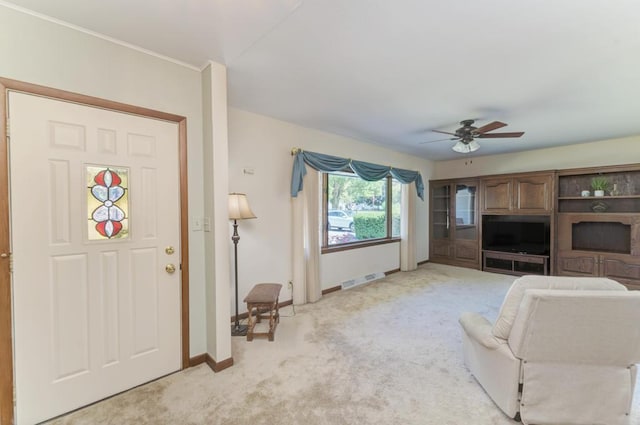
(8, 128)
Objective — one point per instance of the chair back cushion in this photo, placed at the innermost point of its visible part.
(577, 349)
(511, 303)
(577, 327)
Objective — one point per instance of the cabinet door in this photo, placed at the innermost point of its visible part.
(441, 211)
(441, 238)
(465, 210)
(440, 250)
(573, 264)
(533, 194)
(496, 195)
(625, 271)
(466, 246)
(467, 252)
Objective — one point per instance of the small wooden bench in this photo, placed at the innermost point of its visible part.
(263, 298)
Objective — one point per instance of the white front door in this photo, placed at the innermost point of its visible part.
(94, 209)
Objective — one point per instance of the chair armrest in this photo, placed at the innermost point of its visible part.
(479, 329)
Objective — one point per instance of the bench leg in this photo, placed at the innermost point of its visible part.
(251, 324)
(274, 318)
(271, 324)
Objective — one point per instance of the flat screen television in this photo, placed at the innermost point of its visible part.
(515, 236)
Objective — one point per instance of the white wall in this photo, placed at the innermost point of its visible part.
(45, 53)
(337, 267)
(607, 152)
(263, 144)
(216, 214)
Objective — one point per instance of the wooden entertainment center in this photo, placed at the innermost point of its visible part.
(584, 235)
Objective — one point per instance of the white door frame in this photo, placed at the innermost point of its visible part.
(6, 338)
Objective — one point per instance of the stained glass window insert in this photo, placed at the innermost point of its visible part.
(107, 202)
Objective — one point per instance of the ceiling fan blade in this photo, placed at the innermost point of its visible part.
(439, 140)
(500, 135)
(488, 127)
(444, 132)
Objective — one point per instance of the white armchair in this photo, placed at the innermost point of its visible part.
(562, 350)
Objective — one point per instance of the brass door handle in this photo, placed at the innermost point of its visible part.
(170, 268)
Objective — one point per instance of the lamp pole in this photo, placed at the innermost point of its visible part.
(238, 210)
(237, 330)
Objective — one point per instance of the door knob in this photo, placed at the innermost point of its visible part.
(170, 268)
(169, 250)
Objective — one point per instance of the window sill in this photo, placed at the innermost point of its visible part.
(356, 245)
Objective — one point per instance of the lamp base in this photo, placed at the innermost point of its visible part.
(239, 330)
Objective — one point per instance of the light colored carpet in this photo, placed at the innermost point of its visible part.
(388, 352)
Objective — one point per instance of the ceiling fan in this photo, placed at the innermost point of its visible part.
(467, 134)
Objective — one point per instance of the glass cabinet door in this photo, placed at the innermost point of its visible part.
(465, 211)
(441, 201)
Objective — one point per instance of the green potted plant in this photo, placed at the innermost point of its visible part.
(599, 184)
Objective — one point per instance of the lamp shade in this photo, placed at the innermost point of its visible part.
(462, 147)
(239, 207)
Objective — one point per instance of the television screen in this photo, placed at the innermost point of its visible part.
(515, 236)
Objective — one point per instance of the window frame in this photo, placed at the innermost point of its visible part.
(325, 247)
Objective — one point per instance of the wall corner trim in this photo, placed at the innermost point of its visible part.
(218, 366)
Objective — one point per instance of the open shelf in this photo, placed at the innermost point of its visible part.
(605, 204)
(514, 263)
(597, 198)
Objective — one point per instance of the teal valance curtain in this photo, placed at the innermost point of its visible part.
(365, 170)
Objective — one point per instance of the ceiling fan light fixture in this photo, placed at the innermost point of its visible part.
(462, 147)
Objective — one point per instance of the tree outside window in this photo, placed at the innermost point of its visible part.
(356, 210)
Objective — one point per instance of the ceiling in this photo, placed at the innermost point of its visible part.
(388, 72)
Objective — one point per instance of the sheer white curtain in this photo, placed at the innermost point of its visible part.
(408, 228)
(306, 241)
(306, 230)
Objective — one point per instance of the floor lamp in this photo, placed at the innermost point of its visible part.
(238, 210)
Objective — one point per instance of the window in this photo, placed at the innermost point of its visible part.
(107, 202)
(357, 211)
